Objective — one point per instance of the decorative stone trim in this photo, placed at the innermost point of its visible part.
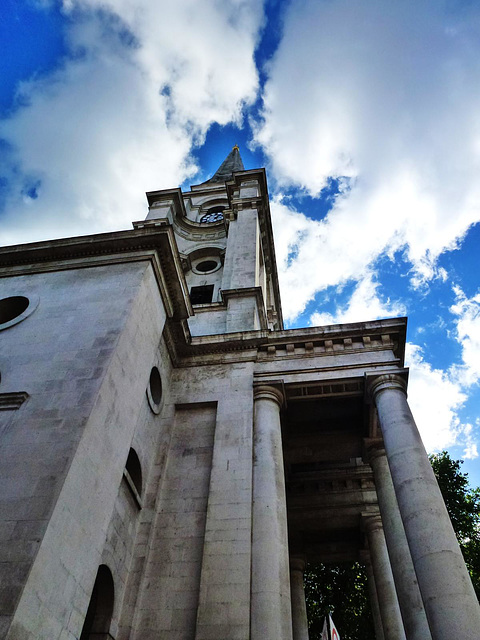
(327, 346)
(374, 448)
(325, 389)
(385, 381)
(12, 401)
(297, 563)
(266, 392)
(372, 521)
(329, 486)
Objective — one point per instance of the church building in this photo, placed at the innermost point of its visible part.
(171, 456)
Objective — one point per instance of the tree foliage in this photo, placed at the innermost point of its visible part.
(463, 506)
(343, 589)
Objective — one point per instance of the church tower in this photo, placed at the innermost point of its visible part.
(170, 456)
(224, 235)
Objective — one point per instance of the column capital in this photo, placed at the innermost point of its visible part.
(372, 521)
(378, 383)
(268, 392)
(297, 563)
(373, 449)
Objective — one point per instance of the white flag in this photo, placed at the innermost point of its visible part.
(325, 630)
(333, 630)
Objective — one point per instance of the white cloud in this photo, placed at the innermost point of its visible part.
(142, 84)
(388, 95)
(471, 449)
(437, 396)
(467, 312)
(435, 400)
(364, 304)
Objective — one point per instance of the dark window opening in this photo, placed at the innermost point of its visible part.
(155, 385)
(206, 265)
(202, 295)
(134, 470)
(12, 307)
(100, 609)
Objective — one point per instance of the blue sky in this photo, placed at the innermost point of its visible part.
(365, 115)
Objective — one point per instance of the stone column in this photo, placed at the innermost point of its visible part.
(299, 607)
(372, 592)
(271, 617)
(384, 583)
(409, 598)
(447, 592)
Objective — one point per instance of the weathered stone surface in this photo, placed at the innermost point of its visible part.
(200, 549)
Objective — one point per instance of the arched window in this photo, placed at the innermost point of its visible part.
(100, 609)
(134, 470)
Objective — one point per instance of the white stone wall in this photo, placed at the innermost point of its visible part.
(208, 322)
(197, 577)
(241, 255)
(87, 376)
(168, 606)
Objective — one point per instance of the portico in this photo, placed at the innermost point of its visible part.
(342, 433)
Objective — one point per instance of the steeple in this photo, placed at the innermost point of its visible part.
(233, 162)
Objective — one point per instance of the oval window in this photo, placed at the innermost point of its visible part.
(206, 265)
(12, 307)
(154, 390)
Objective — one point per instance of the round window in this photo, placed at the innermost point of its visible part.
(154, 390)
(14, 309)
(206, 265)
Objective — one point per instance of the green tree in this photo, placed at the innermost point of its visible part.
(341, 590)
(463, 506)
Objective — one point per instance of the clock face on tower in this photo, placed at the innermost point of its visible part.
(215, 214)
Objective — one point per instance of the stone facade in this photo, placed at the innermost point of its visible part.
(137, 507)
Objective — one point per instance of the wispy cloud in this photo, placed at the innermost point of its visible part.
(387, 95)
(120, 114)
(435, 400)
(365, 303)
(467, 321)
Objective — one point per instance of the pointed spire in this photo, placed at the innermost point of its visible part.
(233, 162)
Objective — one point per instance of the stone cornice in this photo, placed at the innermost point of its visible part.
(156, 244)
(274, 346)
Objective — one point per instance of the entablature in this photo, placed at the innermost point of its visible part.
(378, 343)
